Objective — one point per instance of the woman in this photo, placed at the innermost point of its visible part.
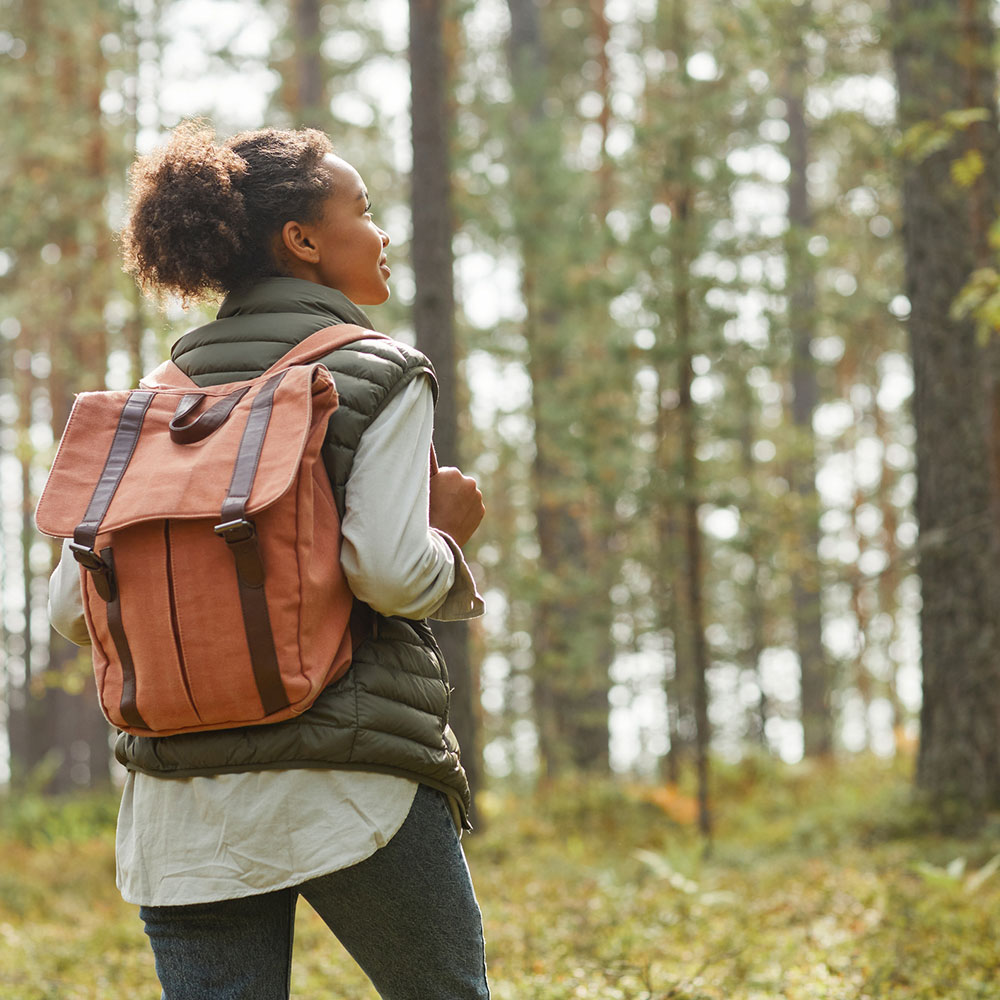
(355, 804)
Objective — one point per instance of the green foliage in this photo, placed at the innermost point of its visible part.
(35, 820)
(979, 300)
(929, 137)
(819, 886)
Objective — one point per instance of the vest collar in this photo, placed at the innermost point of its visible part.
(293, 295)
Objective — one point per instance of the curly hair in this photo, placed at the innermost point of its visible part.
(203, 215)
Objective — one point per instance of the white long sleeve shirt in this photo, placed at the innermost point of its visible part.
(192, 840)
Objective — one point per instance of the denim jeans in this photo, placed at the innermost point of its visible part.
(407, 915)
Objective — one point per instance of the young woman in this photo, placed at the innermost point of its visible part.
(355, 804)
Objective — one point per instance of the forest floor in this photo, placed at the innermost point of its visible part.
(822, 882)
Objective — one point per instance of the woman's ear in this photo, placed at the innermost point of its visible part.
(295, 239)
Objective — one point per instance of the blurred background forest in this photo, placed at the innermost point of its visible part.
(707, 386)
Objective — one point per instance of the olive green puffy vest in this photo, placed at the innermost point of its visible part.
(389, 712)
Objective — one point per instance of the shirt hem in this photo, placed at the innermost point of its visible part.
(191, 899)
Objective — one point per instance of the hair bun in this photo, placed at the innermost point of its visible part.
(187, 216)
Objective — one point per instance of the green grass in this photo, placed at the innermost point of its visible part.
(822, 882)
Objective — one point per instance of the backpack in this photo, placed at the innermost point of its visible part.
(209, 543)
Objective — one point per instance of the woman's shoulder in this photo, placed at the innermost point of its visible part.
(379, 359)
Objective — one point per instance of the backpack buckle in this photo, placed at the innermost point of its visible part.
(234, 532)
(87, 557)
(241, 537)
(100, 570)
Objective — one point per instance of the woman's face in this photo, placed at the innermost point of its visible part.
(343, 249)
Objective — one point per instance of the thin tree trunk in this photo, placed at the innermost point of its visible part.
(816, 684)
(689, 597)
(755, 609)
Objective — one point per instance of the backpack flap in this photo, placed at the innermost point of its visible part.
(164, 478)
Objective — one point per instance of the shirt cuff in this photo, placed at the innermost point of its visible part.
(463, 600)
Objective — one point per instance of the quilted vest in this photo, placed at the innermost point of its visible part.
(389, 712)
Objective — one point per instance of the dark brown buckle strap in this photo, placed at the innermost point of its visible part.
(119, 455)
(100, 572)
(240, 535)
(102, 567)
(251, 446)
(129, 710)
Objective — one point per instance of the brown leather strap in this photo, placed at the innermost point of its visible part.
(322, 342)
(211, 420)
(129, 711)
(240, 535)
(251, 446)
(120, 454)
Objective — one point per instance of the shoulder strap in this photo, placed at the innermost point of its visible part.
(330, 338)
(316, 345)
(322, 342)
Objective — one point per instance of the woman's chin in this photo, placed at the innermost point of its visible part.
(373, 298)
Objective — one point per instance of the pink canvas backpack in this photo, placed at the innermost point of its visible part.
(209, 543)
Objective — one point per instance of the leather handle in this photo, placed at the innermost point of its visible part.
(211, 420)
(188, 404)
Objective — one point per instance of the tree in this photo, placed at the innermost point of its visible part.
(62, 155)
(816, 682)
(577, 362)
(947, 83)
(434, 311)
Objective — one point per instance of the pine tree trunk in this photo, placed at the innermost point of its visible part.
(942, 56)
(691, 612)
(754, 602)
(433, 316)
(816, 683)
(691, 648)
(308, 65)
(569, 641)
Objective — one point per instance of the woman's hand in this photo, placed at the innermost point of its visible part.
(456, 505)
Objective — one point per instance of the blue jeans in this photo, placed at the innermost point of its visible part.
(407, 915)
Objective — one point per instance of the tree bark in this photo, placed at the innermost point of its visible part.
(569, 641)
(433, 315)
(755, 608)
(942, 55)
(816, 682)
(308, 71)
(691, 652)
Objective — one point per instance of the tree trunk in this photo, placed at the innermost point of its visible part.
(816, 682)
(690, 647)
(942, 56)
(754, 602)
(569, 641)
(308, 65)
(433, 315)
(691, 612)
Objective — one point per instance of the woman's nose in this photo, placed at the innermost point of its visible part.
(385, 238)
